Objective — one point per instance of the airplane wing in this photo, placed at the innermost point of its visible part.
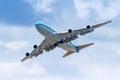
(26, 58)
(82, 31)
(89, 28)
(34, 53)
(46, 45)
(37, 51)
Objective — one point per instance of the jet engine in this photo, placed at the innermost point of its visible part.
(88, 27)
(35, 46)
(70, 30)
(27, 54)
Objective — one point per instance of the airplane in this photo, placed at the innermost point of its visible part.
(62, 40)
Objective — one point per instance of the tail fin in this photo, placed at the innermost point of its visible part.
(84, 46)
(79, 47)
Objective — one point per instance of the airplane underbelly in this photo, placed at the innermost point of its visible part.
(68, 46)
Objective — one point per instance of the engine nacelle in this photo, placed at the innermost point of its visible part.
(35, 46)
(70, 30)
(27, 54)
(88, 27)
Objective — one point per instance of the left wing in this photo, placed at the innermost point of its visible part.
(82, 31)
(89, 28)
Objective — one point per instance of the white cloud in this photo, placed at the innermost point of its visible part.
(108, 32)
(118, 51)
(100, 72)
(82, 9)
(43, 6)
(99, 9)
(85, 72)
(23, 71)
(19, 69)
(16, 45)
(12, 32)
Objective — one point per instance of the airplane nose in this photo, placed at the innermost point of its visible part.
(37, 26)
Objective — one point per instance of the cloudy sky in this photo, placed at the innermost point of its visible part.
(18, 35)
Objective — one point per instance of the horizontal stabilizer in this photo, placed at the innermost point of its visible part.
(79, 47)
(68, 53)
(84, 46)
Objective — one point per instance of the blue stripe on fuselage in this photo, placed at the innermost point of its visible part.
(45, 25)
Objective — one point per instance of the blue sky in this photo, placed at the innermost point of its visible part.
(18, 35)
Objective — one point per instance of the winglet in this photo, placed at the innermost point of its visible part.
(110, 21)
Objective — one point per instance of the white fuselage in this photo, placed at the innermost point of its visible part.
(49, 33)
